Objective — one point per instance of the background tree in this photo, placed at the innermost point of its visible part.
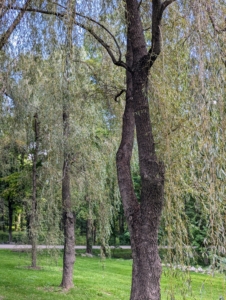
(68, 215)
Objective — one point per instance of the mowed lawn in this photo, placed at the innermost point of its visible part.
(94, 279)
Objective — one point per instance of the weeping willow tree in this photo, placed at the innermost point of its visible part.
(188, 120)
(41, 87)
(31, 119)
(208, 91)
(187, 129)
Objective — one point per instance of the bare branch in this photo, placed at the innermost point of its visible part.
(146, 29)
(106, 46)
(157, 12)
(9, 31)
(166, 3)
(30, 9)
(87, 28)
(2, 11)
(119, 94)
(59, 5)
(215, 27)
(139, 4)
(99, 24)
(102, 26)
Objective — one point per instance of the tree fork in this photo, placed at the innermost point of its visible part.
(142, 218)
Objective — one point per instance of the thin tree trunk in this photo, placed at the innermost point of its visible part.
(94, 232)
(33, 217)
(89, 236)
(10, 209)
(68, 215)
(89, 228)
(69, 236)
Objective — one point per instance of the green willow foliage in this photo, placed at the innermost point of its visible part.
(187, 100)
(189, 123)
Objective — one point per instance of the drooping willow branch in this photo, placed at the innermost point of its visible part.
(108, 31)
(101, 25)
(118, 62)
(106, 46)
(217, 30)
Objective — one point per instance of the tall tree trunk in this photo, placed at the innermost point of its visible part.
(142, 218)
(10, 210)
(68, 223)
(89, 228)
(121, 221)
(89, 236)
(68, 215)
(33, 216)
(94, 232)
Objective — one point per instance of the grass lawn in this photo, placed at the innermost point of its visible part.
(94, 279)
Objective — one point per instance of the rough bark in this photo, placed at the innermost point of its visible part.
(121, 224)
(68, 215)
(142, 218)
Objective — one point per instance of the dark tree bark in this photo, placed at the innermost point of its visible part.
(68, 223)
(33, 216)
(121, 222)
(89, 236)
(89, 228)
(68, 215)
(10, 210)
(94, 232)
(2, 208)
(142, 218)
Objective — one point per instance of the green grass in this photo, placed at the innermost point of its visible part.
(94, 279)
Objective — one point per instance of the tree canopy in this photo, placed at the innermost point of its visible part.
(156, 69)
